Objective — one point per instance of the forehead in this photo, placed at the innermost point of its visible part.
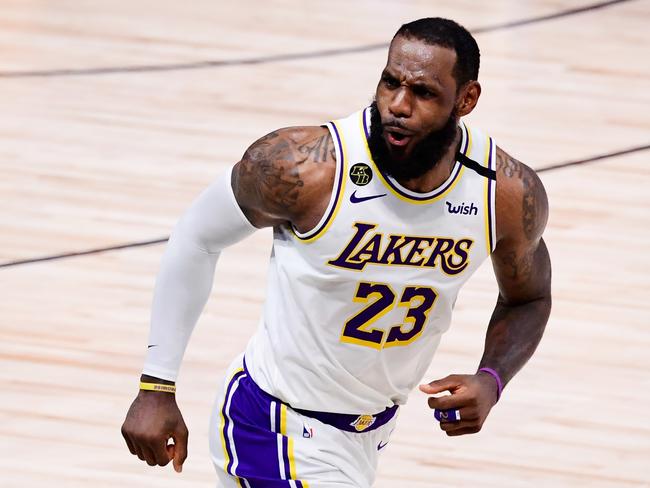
(415, 61)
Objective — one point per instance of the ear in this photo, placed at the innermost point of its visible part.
(468, 98)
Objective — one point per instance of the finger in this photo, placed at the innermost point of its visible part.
(458, 400)
(159, 450)
(129, 444)
(464, 427)
(466, 430)
(448, 383)
(148, 456)
(452, 426)
(171, 449)
(180, 449)
(138, 452)
(469, 413)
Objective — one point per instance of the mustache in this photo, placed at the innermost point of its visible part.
(424, 156)
(394, 122)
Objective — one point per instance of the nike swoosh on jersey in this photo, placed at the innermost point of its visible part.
(355, 199)
(380, 446)
(151, 345)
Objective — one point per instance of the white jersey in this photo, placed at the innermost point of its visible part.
(356, 307)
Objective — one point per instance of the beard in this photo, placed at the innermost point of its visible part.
(424, 157)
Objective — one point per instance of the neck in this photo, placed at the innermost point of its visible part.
(437, 175)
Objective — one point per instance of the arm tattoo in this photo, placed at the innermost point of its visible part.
(513, 335)
(517, 326)
(273, 178)
(319, 149)
(265, 172)
(508, 165)
(534, 207)
(523, 270)
(268, 182)
(519, 268)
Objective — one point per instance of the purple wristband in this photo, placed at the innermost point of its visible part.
(495, 375)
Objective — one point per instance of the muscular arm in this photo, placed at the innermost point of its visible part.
(522, 267)
(523, 270)
(286, 176)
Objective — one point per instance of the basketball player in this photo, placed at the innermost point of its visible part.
(379, 219)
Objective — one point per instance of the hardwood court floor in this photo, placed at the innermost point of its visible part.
(113, 119)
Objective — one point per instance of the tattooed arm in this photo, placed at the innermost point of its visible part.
(522, 267)
(286, 176)
(523, 270)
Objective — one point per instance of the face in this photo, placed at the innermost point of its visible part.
(416, 109)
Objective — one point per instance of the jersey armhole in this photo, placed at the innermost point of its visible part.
(337, 192)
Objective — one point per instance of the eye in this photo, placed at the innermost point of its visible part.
(423, 92)
(389, 81)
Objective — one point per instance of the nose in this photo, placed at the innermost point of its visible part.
(402, 103)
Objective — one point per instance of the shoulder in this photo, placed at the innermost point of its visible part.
(281, 176)
(521, 201)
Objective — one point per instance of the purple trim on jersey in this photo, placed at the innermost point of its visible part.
(439, 191)
(465, 143)
(365, 122)
(341, 170)
(489, 196)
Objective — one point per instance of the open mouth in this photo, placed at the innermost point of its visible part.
(397, 138)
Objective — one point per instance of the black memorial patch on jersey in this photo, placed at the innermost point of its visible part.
(360, 174)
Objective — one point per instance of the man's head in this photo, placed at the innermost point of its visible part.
(430, 80)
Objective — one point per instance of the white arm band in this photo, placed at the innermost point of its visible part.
(213, 222)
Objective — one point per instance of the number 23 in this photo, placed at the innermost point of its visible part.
(418, 299)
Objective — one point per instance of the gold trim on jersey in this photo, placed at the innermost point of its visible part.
(457, 169)
(490, 187)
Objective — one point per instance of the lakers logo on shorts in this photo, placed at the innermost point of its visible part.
(360, 174)
(363, 422)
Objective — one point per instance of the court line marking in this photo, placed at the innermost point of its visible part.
(593, 159)
(86, 253)
(287, 56)
(162, 240)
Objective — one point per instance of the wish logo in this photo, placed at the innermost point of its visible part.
(462, 209)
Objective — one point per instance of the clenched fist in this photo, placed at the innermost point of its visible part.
(152, 420)
(472, 395)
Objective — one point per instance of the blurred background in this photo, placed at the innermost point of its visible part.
(114, 115)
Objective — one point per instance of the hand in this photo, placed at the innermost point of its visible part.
(473, 395)
(152, 420)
